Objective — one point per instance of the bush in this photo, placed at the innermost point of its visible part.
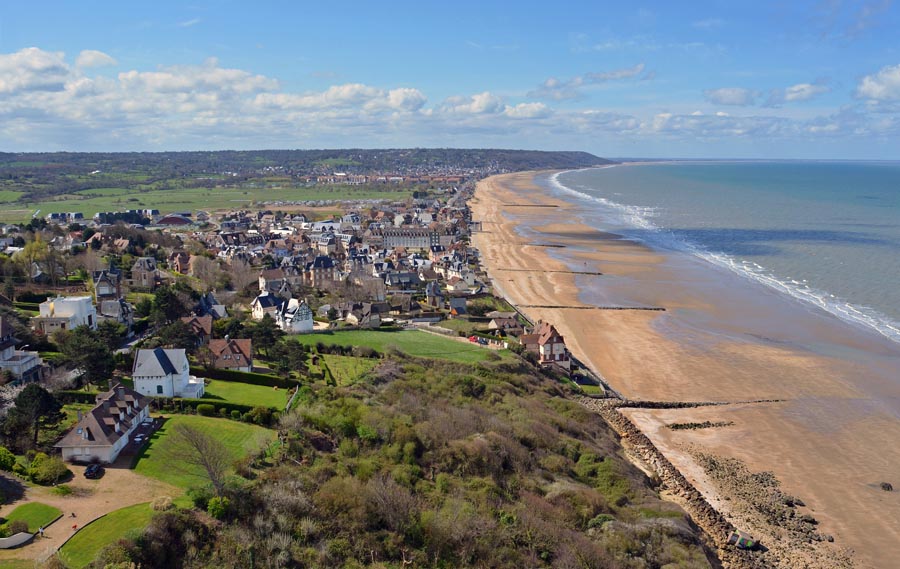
(206, 409)
(7, 459)
(18, 526)
(235, 414)
(244, 377)
(63, 490)
(47, 470)
(162, 503)
(200, 497)
(218, 507)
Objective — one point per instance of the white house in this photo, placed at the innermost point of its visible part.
(65, 313)
(102, 433)
(165, 373)
(265, 303)
(296, 317)
(23, 365)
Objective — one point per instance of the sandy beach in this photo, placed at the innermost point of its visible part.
(832, 436)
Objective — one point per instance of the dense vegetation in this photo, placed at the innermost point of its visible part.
(429, 463)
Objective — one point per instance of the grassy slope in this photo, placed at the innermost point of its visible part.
(155, 460)
(84, 545)
(412, 342)
(246, 394)
(35, 514)
(348, 369)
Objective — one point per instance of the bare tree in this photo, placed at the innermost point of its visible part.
(194, 450)
(242, 274)
(205, 270)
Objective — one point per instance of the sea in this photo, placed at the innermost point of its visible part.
(823, 233)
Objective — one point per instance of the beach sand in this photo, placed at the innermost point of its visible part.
(830, 440)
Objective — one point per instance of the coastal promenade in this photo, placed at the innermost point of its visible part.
(823, 422)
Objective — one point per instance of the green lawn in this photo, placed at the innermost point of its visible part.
(37, 515)
(156, 459)
(412, 342)
(9, 196)
(246, 394)
(348, 369)
(84, 545)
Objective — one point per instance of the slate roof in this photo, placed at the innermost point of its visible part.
(158, 361)
(97, 427)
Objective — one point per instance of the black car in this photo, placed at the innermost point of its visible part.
(93, 471)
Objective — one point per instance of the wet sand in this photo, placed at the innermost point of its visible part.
(830, 441)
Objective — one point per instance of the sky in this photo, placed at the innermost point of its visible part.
(815, 79)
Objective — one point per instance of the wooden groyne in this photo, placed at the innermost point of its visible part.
(591, 273)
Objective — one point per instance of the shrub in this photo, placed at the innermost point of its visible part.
(235, 415)
(62, 490)
(47, 470)
(18, 526)
(162, 503)
(7, 459)
(200, 497)
(206, 409)
(218, 507)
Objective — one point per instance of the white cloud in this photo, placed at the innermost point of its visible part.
(708, 23)
(94, 58)
(804, 91)
(557, 90)
(737, 96)
(882, 86)
(189, 23)
(482, 103)
(527, 111)
(33, 69)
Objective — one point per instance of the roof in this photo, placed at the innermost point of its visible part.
(97, 427)
(231, 347)
(159, 361)
(199, 324)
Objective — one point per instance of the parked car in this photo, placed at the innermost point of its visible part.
(93, 471)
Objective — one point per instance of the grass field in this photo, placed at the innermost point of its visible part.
(246, 394)
(412, 342)
(35, 514)
(9, 196)
(156, 460)
(92, 201)
(84, 545)
(348, 369)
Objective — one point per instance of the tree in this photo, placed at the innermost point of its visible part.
(205, 270)
(178, 334)
(242, 274)
(194, 448)
(88, 351)
(9, 288)
(167, 306)
(36, 405)
(289, 356)
(265, 334)
(111, 333)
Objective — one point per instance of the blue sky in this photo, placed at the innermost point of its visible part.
(809, 79)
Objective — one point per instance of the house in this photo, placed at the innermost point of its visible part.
(506, 325)
(65, 313)
(145, 274)
(236, 355)
(24, 366)
(295, 317)
(107, 284)
(265, 303)
(433, 294)
(201, 326)
(550, 346)
(180, 261)
(118, 310)
(102, 433)
(165, 373)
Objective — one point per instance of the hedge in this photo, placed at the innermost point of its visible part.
(72, 396)
(181, 404)
(245, 377)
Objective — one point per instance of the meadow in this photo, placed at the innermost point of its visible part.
(95, 200)
(246, 394)
(84, 545)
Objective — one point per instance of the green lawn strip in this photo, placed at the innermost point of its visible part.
(157, 459)
(37, 515)
(17, 563)
(246, 394)
(348, 369)
(412, 342)
(84, 545)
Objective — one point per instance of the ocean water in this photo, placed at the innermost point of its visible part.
(824, 233)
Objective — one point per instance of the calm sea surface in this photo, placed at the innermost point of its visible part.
(826, 233)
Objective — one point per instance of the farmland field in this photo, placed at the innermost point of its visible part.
(92, 201)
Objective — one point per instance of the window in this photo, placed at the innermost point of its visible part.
(159, 389)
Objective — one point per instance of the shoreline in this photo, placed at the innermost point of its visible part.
(672, 356)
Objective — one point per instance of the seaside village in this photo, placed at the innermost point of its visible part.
(133, 315)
